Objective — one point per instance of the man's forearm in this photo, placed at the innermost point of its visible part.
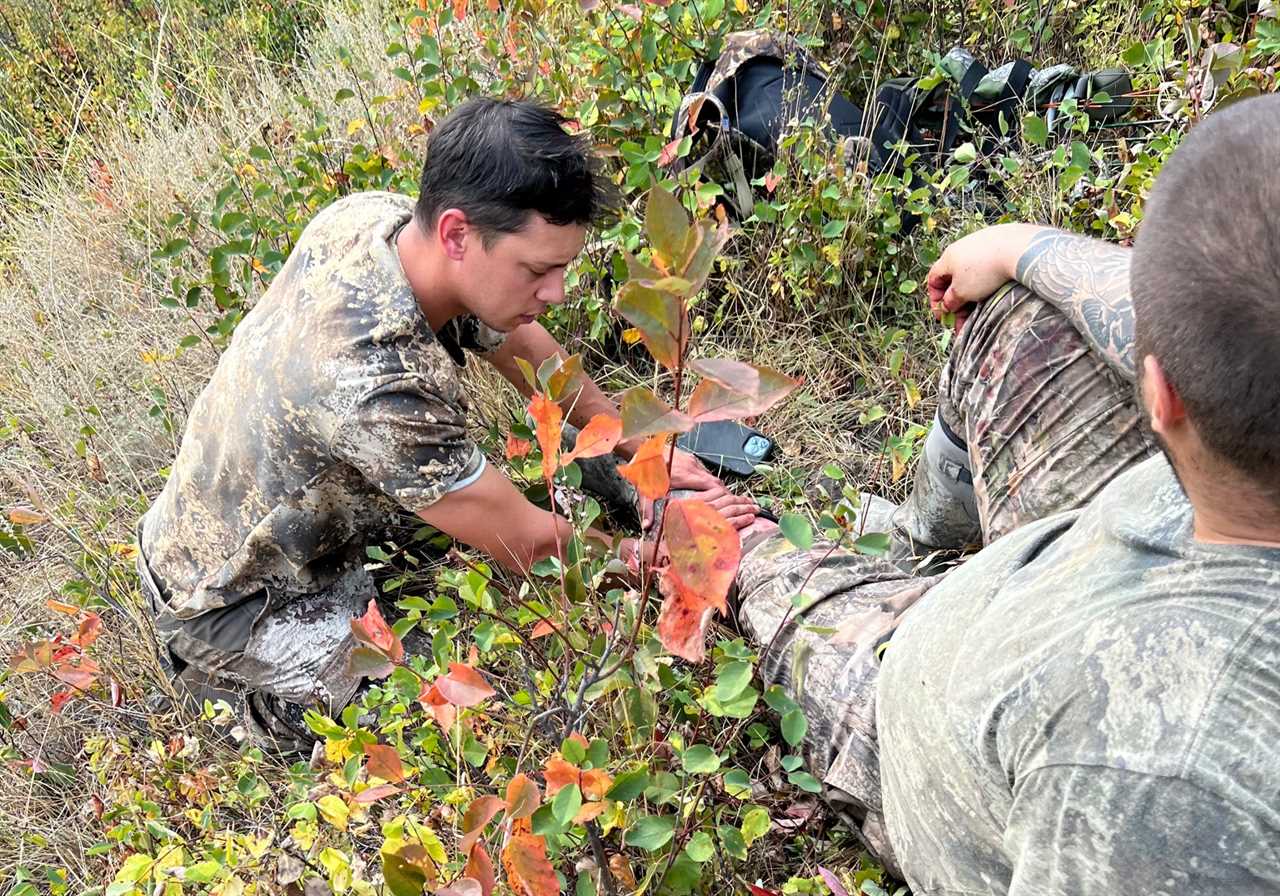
(1087, 280)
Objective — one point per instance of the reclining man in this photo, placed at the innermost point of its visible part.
(339, 405)
(1090, 704)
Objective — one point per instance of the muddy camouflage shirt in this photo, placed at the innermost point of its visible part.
(334, 405)
(1090, 706)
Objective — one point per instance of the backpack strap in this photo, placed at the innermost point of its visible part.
(720, 150)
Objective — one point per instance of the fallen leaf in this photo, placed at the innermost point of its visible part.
(59, 699)
(464, 686)
(59, 607)
(25, 516)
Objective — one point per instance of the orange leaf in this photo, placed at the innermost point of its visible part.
(464, 686)
(90, 628)
(683, 621)
(441, 710)
(704, 550)
(528, 870)
(373, 794)
(480, 869)
(669, 153)
(25, 516)
(479, 813)
(598, 437)
(373, 630)
(542, 629)
(731, 389)
(384, 762)
(548, 418)
(595, 783)
(59, 607)
(523, 797)
(589, 811)
(459, 9)
(560, 774)
(648, 468)
(771, 182)
(517, 447)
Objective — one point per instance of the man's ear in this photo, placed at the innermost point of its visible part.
(453, 232)
(1161, 398)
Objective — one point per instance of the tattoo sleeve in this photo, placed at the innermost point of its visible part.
(1087, 280)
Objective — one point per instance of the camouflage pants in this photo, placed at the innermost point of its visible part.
(1046, 424)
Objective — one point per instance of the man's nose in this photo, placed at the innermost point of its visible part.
(551, 292)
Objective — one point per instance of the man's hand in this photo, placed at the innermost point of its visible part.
(974, 267)
(688, 474)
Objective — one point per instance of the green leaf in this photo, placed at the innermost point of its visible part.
(965, 153)
(567, 802)
(644, 414)
(797, 530)
(573, 751)
(1035, 129)
(667, 226)
(201, 872)
(794, 726)
(755, 824)
(732, 842)
(907, 287)
(651, 832)
(778, 700)
(628, 786)
(805, 781)
(737, 784)
(170, 249)
(875, 544)
(700, 847)
(659, 317)
(700, 760)
(732, 679)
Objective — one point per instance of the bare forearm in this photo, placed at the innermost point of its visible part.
(1087, 280)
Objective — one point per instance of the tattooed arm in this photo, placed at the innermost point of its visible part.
(1086, 279)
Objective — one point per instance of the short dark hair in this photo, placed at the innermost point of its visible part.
(500, 160)
(1205, 280)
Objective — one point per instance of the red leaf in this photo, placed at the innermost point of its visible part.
(517, 447)
(117, 695)
(464, 686)
(523, 797)
(384, 763)
(528, 870)
(90, 628)
(731, 389)
(833, 883)
(669, 153)
(704, 550)
(560, 774)
(548, 418)
(761, 891)
(373, 794)
(480, 868)
(598, 437)
(771, 182)
(80, 676)
(683, 621)
(644, 414)
(648, 468)
(479, 813)
(463, 886)
(459, 9)
(59, 699)
(441, 710)
(373, 630)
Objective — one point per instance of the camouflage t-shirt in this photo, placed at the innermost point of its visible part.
(1091, 705)
(334, 404)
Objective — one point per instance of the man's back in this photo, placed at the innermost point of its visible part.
(1066, 712)
(333, 398)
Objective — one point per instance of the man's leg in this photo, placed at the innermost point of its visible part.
(821, 618)
(270, 662)
(1044, 423)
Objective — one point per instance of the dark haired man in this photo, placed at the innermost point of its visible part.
(339, 405)
(1090, 704)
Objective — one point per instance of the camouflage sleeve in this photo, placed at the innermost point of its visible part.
(408, 442)
(1091, 830)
